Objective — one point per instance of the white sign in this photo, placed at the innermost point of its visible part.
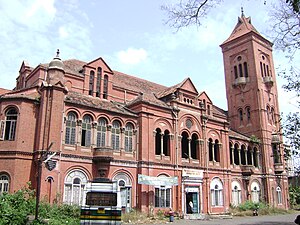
(157, 181)
(192, 173)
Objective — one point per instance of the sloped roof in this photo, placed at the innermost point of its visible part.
(94, 102)
(237, 135)
(4, 91)
(242, 27)
(218, 111)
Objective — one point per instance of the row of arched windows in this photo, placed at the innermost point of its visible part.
(213, 150)
(265, 69)
(240, 155)
(100, 132)
(98, 83)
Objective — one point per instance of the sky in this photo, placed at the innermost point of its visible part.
(132, 37)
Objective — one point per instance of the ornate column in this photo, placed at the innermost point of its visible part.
(161, 143)
(109, 126)
(246, 156)
(94, 134)
(79, 128)
(239, 150)
(189, 147)
(122, 138)
(232, 155)
(252, 157)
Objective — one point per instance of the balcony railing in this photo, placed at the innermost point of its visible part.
(278, 168)
(247, 170)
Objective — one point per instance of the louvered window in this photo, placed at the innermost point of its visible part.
(9, 125)
(128, 137)
(101, 132)
(115, 135)
(70, 135)
(86, 131)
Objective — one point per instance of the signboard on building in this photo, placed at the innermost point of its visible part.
(157, 181)
(192, 173)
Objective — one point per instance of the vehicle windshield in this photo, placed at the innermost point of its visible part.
(101, 199)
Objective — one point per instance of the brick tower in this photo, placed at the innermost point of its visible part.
(252, 100)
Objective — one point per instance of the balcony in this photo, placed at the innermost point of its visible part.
(278, 168)
(247, 170)
(240, 81)
(103, 154)
(268, 81)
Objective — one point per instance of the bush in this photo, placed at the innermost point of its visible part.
(14, 208)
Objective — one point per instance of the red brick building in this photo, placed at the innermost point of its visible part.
(99, 122)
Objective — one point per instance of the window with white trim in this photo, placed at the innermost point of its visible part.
(86, 131)
(74, 185)
(279, 195)
(9, 125)
(255, 192)
(163, 197)
(101, 132)
(4, 184)
(216, 192)
(236, 193)
(128, 137)
(115, 135)
(70, 135)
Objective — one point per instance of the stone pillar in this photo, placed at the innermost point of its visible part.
(246, 156)
(79, 129)
(252, 157)
(189, 147)
(239, 150)
(94, 134)
(232, 155)
(161, 143)
(109, 126)
(122, 138)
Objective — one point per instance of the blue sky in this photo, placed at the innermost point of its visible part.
(131, 36)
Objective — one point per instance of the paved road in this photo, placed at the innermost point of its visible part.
(257, 220)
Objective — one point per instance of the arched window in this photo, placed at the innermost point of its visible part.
(101, 132)
(255, 157)
(74, 185)
(243, 155)
(241, 70)
(231, 153)
(91, 84)
(125, 185)
(255, 192)
(216, 192)
(115, 135)
(210, 149)
(163, 196)
(4, 184)
(236, 154)
(272, 112)
(279, 195)
(70, 136)
(158, 141)
(98, 84)
(128, 137)
(185, 145)
(86, 131)
(246, 69)
(248, 114)
(236, 193)
(194, 147)
(235, 72)
(241, 116)
(105, 87)
(217, 151)
(166, 143)
(249, 156)
(9, 125)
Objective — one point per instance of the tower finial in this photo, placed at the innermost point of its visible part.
(242, 12)
(57, 53)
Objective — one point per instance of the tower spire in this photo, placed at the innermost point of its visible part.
(242, 12)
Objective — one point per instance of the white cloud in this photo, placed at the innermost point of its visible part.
(63, 33)
(45, 5)
(132, 56)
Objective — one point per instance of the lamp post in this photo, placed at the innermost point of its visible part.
(40, 160)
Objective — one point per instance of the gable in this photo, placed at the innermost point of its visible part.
(188, 86)
(204, 96)
(99, 62)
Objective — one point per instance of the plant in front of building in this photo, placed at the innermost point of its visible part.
(15, 208)
(294, 194)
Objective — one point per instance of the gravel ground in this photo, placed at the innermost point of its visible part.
(287, 219)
